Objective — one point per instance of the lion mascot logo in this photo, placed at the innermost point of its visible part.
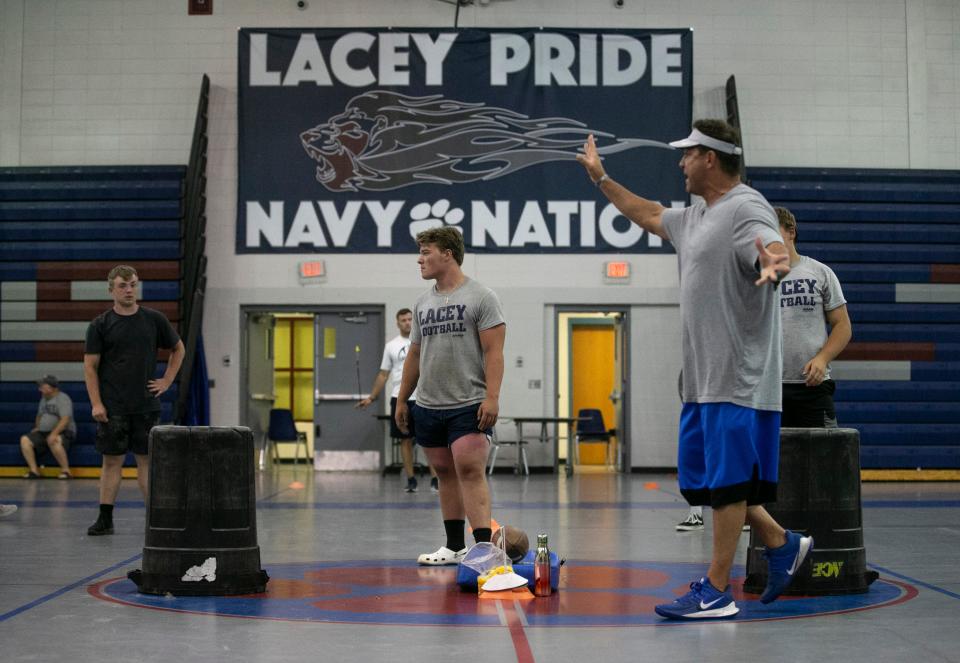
(384, 140)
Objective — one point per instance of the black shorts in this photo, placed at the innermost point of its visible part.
(126, 432)
(441, 428)
(39, 440)
(395, 431)
(809, 407)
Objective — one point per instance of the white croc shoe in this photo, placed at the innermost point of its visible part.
(443, 557)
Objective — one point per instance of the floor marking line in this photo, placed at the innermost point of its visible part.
(520, 613)
(520, 643)
(501, 614)
(946, 592)
(63, 590)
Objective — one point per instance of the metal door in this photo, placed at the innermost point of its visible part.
(619, 387)
(348, 346)
(258, 361)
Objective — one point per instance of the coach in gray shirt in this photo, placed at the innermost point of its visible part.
(729, 252)
(53, 430)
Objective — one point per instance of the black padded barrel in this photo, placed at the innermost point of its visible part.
(818, 494)
(201, 534)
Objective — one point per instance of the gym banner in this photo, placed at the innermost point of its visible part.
(355, 140)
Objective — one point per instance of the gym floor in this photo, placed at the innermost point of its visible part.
(339, 549)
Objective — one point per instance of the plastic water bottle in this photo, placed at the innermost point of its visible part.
(541, 568)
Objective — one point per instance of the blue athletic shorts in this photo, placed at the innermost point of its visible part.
(728, 454)
(441, 428)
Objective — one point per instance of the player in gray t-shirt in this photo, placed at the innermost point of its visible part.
(810, 298)
(729, 251)
(53, 430)
(455, 362)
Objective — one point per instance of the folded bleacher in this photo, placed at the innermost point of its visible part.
(893, 239)
(61, 230)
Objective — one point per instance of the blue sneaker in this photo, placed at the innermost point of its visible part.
(703, 601)
(782, 564)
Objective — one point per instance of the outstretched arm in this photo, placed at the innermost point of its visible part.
(774, 261)
(378, 383)
(645, 213)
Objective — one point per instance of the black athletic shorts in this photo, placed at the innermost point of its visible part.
(809, 407)
(126, 432)
(39, 440)
(441, 428)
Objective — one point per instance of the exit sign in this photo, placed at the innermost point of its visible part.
(312, 271)
(616, 272)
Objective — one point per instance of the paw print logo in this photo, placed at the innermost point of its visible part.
(426, 216)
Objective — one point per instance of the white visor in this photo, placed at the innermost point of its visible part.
(697, 138)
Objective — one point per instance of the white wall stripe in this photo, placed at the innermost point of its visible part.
(43, 331)
(17, 371)
(18, 291)
(18, 310)
(95, 291)
(928, 293)
(870, 370)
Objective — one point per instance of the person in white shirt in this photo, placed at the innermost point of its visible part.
(391, 368)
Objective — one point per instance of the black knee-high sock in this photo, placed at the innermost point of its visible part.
(482, 534)
(106, 513)
(454, 529)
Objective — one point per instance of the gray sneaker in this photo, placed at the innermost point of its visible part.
(7, 510)
(693, 523)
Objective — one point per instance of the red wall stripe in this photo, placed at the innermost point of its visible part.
(70, 351)
(156, 270)
(74, 311)
(945, 273)
(889, 352)
(59, 351)
(54, 291)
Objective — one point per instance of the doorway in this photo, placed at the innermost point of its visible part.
(317, 362)
(592, 371)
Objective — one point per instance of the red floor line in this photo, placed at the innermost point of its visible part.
(518, 635)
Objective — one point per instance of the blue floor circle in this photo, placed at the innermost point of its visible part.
(592, 593)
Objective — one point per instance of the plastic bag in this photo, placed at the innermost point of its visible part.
(484, 557)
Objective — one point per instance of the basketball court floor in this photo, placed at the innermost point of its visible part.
(339, 549)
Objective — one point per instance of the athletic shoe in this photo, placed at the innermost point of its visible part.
(31, 475)
(691, 524)
(782, 564)
(100, 528)
(411, 485)
(7, 510)
(703, 601)
(64, 475)
(443, 557)
(434, 485)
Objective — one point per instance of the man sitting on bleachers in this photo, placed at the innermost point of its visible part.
(53, 430)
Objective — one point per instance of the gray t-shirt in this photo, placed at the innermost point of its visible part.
(806, 294)
(51, 409)
(447, 328)
(730, 328)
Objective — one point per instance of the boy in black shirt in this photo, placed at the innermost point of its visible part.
(119, 363)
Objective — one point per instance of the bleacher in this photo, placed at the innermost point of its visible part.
(61, 230)
(893, 239)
